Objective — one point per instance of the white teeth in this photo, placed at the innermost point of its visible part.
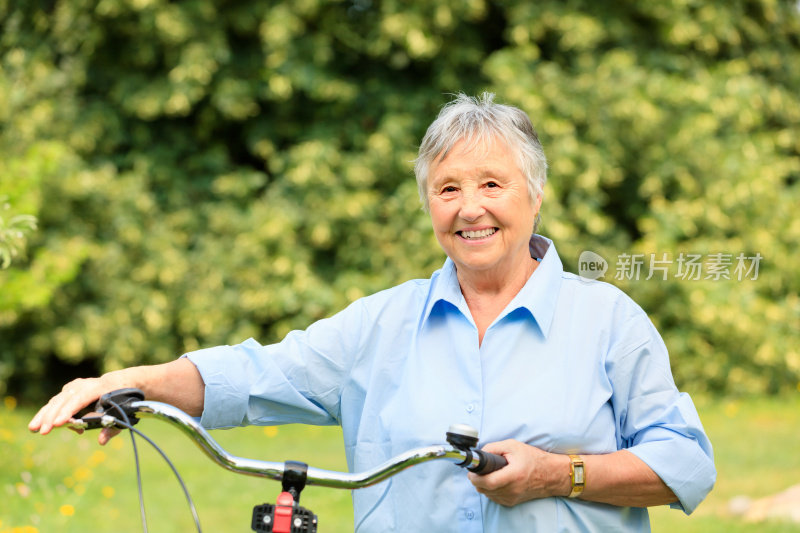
(478, 234)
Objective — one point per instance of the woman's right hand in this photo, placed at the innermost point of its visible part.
(73, 397)
(177, 383)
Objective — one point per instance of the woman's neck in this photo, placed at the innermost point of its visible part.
(487, 293)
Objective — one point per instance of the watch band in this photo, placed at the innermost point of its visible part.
(577, 475)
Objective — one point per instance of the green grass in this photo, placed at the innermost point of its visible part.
(65, 482)
(757, 452)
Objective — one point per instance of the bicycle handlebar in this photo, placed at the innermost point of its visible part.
(465, 455)
(285, 516)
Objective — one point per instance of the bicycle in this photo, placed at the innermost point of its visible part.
(124, 407)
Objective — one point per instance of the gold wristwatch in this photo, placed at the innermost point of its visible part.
(577, 475)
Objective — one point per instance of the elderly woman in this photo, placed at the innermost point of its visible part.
(560, 374)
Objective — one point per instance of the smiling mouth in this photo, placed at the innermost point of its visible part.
(480, 234)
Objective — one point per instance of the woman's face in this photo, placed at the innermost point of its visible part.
(481, 211)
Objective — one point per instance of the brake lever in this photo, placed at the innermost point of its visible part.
(91, 420)
(98, 416)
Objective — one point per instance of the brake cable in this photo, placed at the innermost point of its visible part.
(126, 423)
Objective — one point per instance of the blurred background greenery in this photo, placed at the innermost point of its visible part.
(175, 175)
(207, 171)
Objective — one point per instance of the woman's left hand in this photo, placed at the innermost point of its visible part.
(531, 473)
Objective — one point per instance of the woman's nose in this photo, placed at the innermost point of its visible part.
(471, 208)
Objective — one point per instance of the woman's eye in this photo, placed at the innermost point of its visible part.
(449, 188)
(492, 184)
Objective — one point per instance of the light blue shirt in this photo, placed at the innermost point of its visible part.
(570, 366)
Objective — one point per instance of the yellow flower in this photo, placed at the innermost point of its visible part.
(97, 457)
(270, 431)
(108, 492)
(10, 402)
(82, 473)
(66, 510)
(731, 409)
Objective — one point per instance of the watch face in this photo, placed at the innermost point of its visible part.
(579, 475)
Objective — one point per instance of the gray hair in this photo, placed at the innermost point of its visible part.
(478, 121)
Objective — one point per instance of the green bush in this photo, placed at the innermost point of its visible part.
(203, 172)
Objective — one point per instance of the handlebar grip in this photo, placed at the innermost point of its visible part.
(489, 462)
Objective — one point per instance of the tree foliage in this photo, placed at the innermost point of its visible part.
(205, 171)
(12, 233)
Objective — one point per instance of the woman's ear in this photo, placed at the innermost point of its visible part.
(537, 203)
(537, 218)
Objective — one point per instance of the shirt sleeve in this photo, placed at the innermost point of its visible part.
(655, 421)
(297, 380)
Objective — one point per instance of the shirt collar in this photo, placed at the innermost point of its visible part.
(445, 289)
(538, 296)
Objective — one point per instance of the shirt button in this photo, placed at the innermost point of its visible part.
(470, 514)
(470, 407)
